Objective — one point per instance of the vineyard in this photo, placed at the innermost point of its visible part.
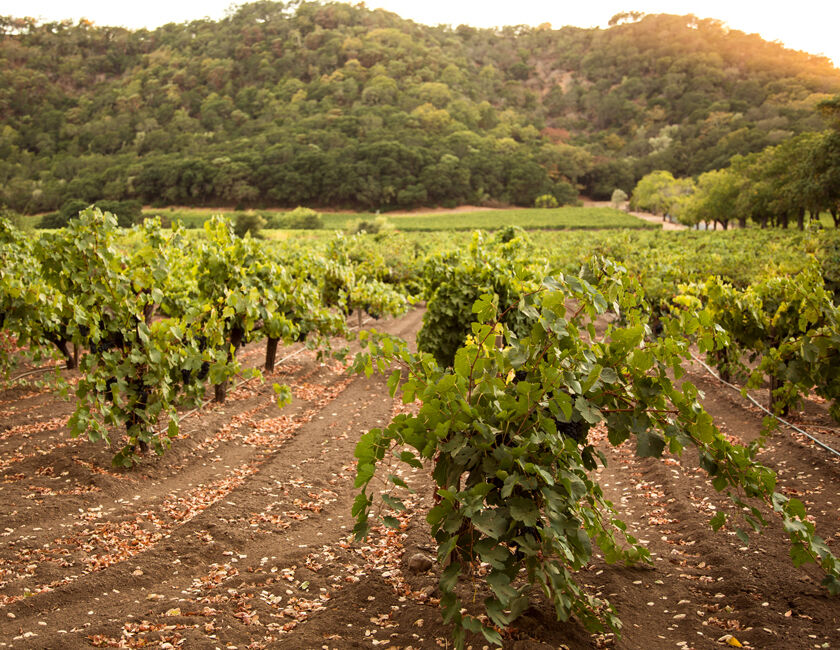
(410, 439)
(566, 218)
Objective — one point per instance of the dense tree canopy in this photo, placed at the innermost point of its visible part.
(335, 104)
(778, 185)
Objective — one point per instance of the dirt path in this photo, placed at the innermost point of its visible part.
(646, 216)
(239, 536)
(88, 553)
(652, 218)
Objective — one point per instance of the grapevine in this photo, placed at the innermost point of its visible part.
(504, 430)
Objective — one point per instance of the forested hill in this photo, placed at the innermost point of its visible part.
(333, 104)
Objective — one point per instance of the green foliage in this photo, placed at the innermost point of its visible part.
(566, 194)
(341, 105)
(100, 289)
(779, 184)
(128, 212)
(714, 199)
(131, 376)
(618, 198)
(353, 280)
(660, 193)
(188, 218)
(249, 223)
(30, 312)
(505, 431)
(15, 219)
(69, 210)
(370, 227)
(300, 219)
(546, 201)
(236, 283)
(504, 268)
(786, 326)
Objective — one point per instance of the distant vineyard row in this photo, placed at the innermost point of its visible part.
(150, 318)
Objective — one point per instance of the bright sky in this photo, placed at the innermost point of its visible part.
(809, 25)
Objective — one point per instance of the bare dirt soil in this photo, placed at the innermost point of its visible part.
(652, 218)
(239, 537)
(645, 216)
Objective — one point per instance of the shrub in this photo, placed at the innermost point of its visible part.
(127, 212)
(303, 219)
(69, 210)
(248, 223)
(546, 201)
(373, 227)
(566, 194)
(619, 196)
(50, 221)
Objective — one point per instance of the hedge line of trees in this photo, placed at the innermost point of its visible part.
(336, 104)
(788, 183)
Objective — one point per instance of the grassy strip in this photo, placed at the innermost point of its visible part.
(527, 218)
(568, 218)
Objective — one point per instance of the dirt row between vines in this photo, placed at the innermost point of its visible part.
(239, 537)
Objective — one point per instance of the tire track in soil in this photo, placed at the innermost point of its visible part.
(264, 452)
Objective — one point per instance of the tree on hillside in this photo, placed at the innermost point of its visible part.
(277, 103)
